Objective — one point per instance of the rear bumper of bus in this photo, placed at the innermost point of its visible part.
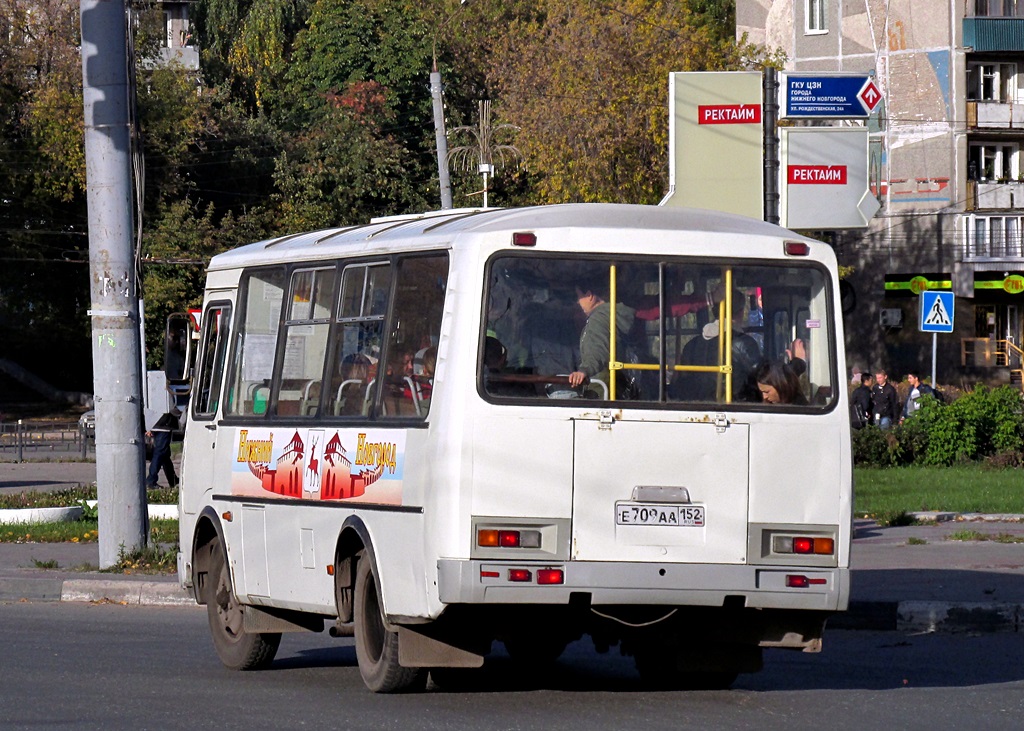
(760, 587)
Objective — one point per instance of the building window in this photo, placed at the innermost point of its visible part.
(994, 237)
(992, 82)
(814, 16)
(999, 8)
(991, 161)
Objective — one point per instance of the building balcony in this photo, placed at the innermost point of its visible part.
(992, 194)
(185, 56)
(995, 115)
(994, 34)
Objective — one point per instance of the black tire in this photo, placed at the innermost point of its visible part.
(236, 649)
(376, 646)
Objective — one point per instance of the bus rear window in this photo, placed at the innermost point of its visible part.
(686, 332)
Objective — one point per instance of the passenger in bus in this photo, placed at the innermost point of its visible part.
(595, 345)
(495, 362)
(779, 383)
(423, 383)
(354, 373)
(703, 350)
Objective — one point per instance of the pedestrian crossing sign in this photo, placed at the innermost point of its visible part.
(936, 312)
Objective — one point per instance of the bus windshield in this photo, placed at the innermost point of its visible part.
(730, 333)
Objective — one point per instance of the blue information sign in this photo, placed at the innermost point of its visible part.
(829, 96)
(936, 312)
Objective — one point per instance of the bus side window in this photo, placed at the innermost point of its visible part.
(307, 325)
(362, 306)
(420, 288)
(256, 342)
(214, 353)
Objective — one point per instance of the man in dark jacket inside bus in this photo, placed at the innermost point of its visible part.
(595, 340)
(161, 434)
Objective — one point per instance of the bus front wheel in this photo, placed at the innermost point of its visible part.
(238, 650)
(376, 645)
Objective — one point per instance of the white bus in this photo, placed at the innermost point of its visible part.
(426, 432)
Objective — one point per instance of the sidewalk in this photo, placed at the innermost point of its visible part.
(910, 578)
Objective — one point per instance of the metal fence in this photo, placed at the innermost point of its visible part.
(43, 440)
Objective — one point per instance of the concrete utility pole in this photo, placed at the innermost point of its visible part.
(440, 134)
(117, 381)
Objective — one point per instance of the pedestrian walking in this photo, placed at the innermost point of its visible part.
(161, 434)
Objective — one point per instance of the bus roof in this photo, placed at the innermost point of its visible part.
(431, 227)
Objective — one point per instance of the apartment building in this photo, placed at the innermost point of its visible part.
(945, 161)
(179, 44)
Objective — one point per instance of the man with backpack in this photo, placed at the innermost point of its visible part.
(918, 390)
(860, 402)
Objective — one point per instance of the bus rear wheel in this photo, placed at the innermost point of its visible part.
(376, 645)
(238, 650)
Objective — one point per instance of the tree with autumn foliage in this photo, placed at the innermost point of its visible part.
(587, 83)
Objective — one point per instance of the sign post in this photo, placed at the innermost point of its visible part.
(936, 317)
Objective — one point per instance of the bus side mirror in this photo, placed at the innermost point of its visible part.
(177, 347)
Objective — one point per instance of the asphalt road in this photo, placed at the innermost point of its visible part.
(106, 666)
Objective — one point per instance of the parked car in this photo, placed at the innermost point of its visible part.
(87, 424)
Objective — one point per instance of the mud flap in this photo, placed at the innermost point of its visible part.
(417, 649)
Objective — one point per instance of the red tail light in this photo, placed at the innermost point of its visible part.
(519, 575)
(550, 576)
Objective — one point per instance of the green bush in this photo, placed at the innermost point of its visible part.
(981, 425)
(872, 447)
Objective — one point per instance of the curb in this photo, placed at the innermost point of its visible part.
(935, 516)
(931, 617)
(118, 591)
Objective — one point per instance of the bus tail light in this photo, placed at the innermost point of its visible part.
(797, 248)
(799, 581)
(805, 545)
(546, 576)
(493, 538)
(550, 576)
(524, 238)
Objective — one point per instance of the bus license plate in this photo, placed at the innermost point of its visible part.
(686, 516)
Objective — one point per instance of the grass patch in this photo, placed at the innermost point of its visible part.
(975, 535)
(85, 530)
(964, 489)
(71, 531)
(76, 495)
(915, 541)
(153, 559)
(50, 564)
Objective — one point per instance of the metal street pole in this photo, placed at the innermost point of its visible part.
(117, 381)
(441, 137)
(770, 119)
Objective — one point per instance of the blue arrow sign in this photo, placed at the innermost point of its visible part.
(828, 96)
(936, 312)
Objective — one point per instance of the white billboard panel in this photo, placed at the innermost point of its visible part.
(715, 142)
(824, 178)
